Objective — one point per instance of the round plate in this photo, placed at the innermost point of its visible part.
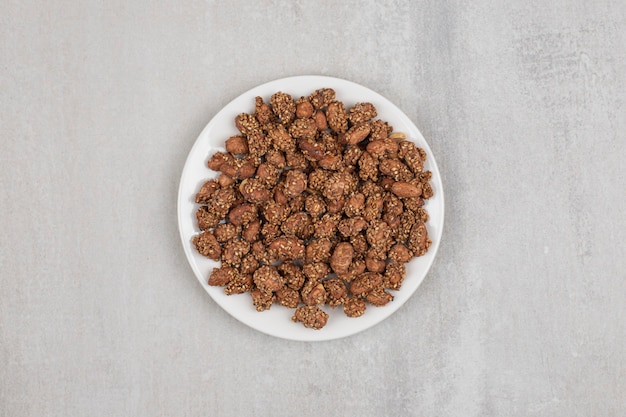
(277, 321)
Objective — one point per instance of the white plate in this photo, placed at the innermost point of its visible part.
(277, 321)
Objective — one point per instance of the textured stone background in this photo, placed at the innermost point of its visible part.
(523, 312)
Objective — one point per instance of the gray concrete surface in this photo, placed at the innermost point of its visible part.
(522, 313)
